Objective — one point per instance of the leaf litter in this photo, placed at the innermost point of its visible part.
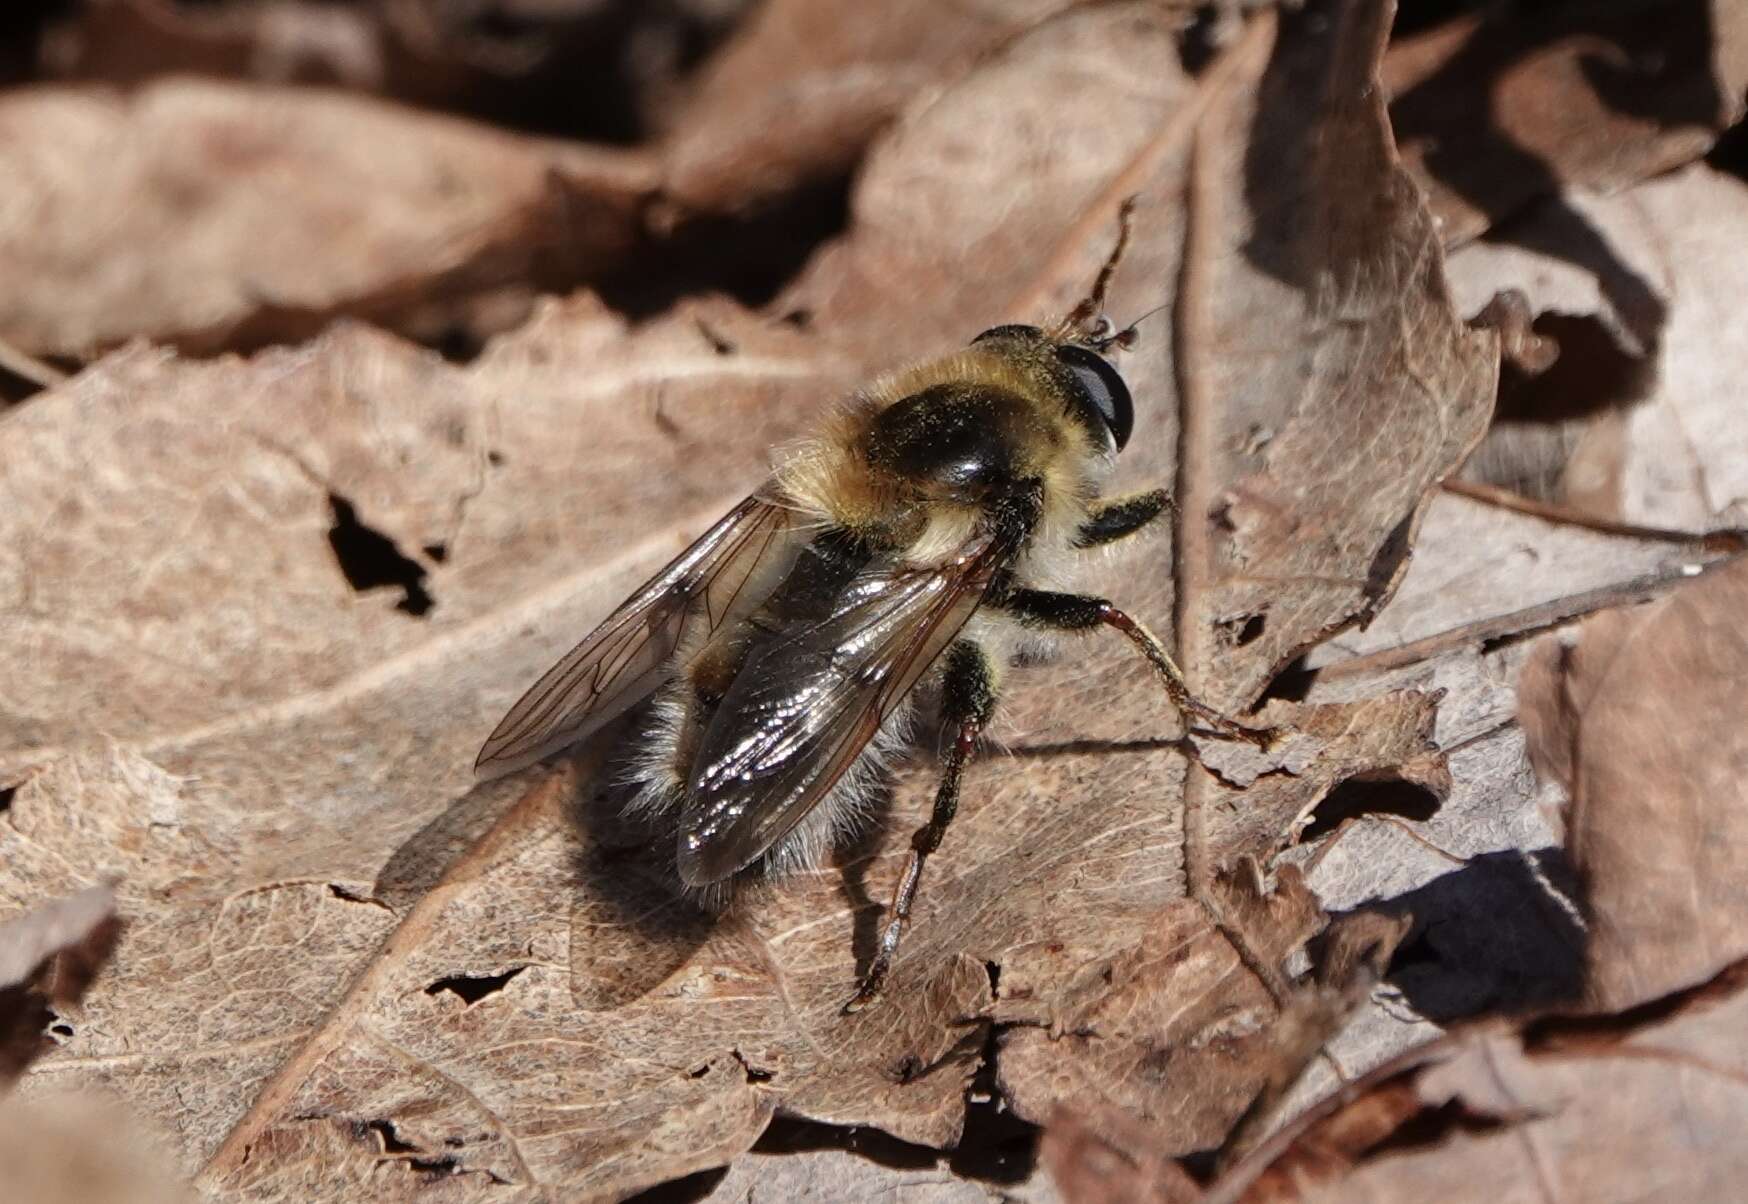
(387, 976)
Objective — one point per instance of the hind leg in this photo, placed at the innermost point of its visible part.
(967, 701)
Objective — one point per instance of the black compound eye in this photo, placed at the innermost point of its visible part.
(1009, 332)
(1103, 387)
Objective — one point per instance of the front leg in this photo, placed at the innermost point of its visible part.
(967, 701)
(1080, 612)
(1122, 516)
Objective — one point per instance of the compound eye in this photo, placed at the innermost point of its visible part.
(1104, 389)
(1010, 332)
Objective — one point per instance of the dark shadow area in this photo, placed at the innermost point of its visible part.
(370, 559)
(694, 1187)
(14, 389)
(867, 910)
(1731, 152)
(1418, 16)
(1360, 796)
(423, 858)
(1544, 418)
(1645, 59)
(632, 924)
(996, 1147)
(1489, 938)
(598, 72)
(21, 25)
(1292, 684)
(750, 257)
(1593, 373)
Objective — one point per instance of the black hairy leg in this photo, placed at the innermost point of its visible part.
(1122, 516)
(1082, 612)
(967, 701)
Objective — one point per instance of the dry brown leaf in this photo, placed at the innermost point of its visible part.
(1492, 111)
(228, 472)
(1124, 1027)
(1647, 1105)
(601, 70)
(1640, 721)
(217, 215)
(1109, 1152)
(380, 971)
(805, 85)
(48, 957)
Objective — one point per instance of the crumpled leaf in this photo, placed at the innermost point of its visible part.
(1117, 1153)
(215, 215)
(1644, 425)
(1493, 110)
(381, 969)
(798, 93)
(1124, 1028)
(48, 957)
(1558, 1109)
(1639, 721)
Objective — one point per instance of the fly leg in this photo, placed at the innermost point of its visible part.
(1121, 517)
(967, 701)
(1080, 612)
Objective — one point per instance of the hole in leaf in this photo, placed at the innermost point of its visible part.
(7, 793)
(438, 552)
(370, 560)
(1292, 684)
(62, 1029)
(1197, 44)
(1360, 796)
(391, 1140)
(444, 1165)
(352, 896)
(754, 1074)
(471, 988)
(1241, 629)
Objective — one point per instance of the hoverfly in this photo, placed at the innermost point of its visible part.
(915, 538)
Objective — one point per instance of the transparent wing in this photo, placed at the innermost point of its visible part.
(632, 652)
(808, 699)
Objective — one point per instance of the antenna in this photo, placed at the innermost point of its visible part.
(1089, 314)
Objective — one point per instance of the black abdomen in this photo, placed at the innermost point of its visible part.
(966, 439)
